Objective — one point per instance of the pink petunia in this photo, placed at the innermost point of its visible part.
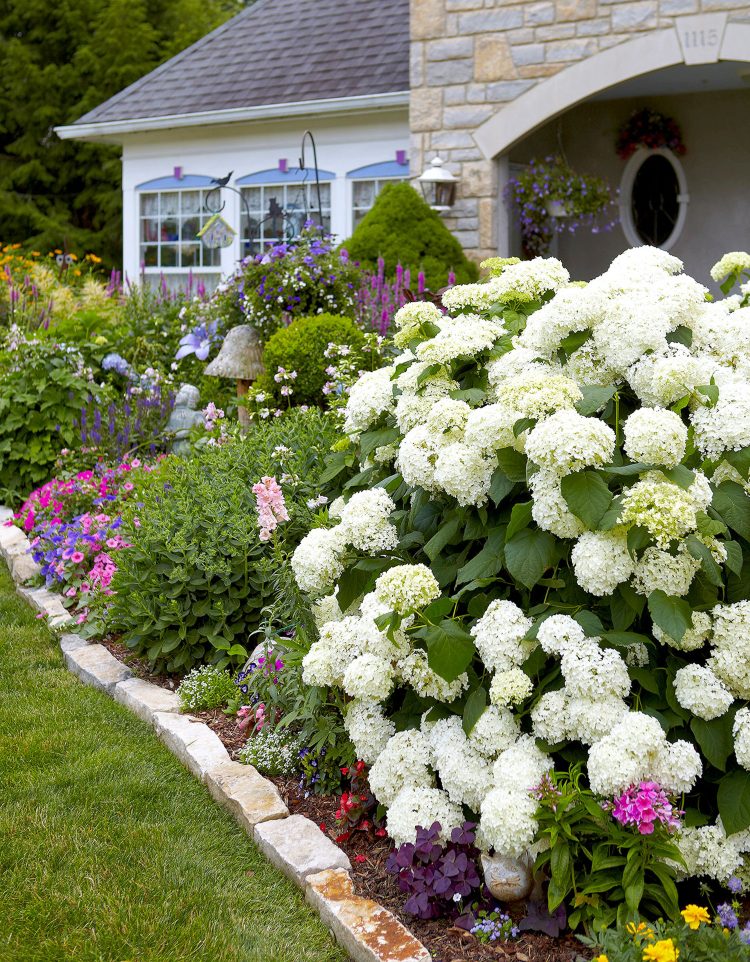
(77, 557)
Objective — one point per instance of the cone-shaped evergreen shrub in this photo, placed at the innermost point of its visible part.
(402, 229)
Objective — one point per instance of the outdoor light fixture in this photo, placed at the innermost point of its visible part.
(438, 185)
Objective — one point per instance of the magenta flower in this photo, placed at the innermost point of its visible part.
(643, 806)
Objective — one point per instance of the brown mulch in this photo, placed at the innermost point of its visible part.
(368, 855)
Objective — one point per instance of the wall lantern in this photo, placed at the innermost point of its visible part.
(438, 185)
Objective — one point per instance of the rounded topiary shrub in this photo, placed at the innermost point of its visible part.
(402, 229)
(301, 347)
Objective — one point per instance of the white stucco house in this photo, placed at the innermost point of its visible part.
(385, 85)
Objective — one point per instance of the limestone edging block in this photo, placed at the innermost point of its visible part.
(368, 932)
(196, 746)
(242, 790)
(71, 642)
(22, 567)
(145, 699)
(95, 666)
(298, 847)
(11, 540)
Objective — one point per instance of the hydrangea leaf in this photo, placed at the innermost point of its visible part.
(715, 738)
(520, 518)
(513, 463)
(590, 623)
(703, 554)
(739, 460)
(500, 487)
(734, 801)
(593, 399)
(450, 649)
(444, 534)
(587, 496)
(474, 708)
(734, 556)
(529, 554)
(731, 502)
(672, 615)
(487, 563)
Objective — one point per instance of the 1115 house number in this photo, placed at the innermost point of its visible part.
(701, 36)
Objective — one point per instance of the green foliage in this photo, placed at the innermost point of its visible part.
(402, 229)
(55, 68)
(43, 387)
(192, 587)
(301, 347)
(206, 687)
(670, 941)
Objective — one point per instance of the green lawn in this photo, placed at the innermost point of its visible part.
(109, 850)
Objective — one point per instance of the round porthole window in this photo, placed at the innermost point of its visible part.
(653, 198)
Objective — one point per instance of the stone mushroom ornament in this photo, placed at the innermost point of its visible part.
(240, 358)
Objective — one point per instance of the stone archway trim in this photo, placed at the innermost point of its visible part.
(552, 97)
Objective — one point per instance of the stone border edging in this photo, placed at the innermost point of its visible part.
(293, 843)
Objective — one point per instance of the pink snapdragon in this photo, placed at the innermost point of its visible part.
(271, 507)
(211, 414)
(643, 806)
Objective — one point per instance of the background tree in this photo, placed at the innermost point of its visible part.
(56, 63)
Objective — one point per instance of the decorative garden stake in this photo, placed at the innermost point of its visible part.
(239, 358)
(216, 232)
(184, 415)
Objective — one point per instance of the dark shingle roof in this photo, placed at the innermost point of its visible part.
(277, 51)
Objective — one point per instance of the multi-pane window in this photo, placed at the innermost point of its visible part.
(278, 212)
(170, 221)
(364, 193)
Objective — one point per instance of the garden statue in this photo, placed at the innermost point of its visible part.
(183, 417)
(240, 359)
(509, 879)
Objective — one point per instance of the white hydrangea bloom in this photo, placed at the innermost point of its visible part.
(369, 397)
(636, 261)
(316, 561)
(730, 659)
(464, 772)
(499, 636)
(699, 691)
(537, 392)
(549, 509)
(661, 378)
(416, 672)
(465, 473)
(407, 587)
(636, 749)
(365, 521)
(567, 442)
(693, 638)
(516, 361)
(417, 457)
(589, 719)
(634, 326)
(479, 297)
(588, 668)
(726, 425)
(326, 609)
(522, 765)
(660, 570)
(587, 367)
(601, 560)
(741, 732)
(496, 730)
(655, 436)
(490, 428)
(465, 336)
(368, 676)
(409, 319)
(708, 852)
(664, 509)
(415, 402)
(560, 633)
(529, 280)
(571, 309)
(731, 263)
(510, 687)
(416, 808)
(368, 728)
(403, 763)
(447, 420)
(507, 822)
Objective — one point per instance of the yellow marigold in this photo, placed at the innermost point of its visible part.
(640, 931)
(663, 951)
(601, 958)
(694, 915)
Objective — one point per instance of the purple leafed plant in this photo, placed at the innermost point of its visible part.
(437, 877)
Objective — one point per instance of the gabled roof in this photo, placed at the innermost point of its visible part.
(275, 52)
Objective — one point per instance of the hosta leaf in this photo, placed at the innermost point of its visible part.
(587, 496)
(529, 554)
(673, 615)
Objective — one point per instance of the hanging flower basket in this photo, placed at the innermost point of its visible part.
(648, 128)
(549, 197)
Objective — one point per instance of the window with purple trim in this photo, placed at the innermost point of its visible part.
(169, 225)
(278, 212)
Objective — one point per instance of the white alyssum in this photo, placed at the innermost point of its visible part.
(655, 436)
(567, 442)
(699, 691)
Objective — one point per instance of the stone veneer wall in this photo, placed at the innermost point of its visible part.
(470, 57)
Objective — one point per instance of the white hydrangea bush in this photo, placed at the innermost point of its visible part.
(543, 557)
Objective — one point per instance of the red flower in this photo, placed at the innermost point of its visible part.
(344, 771)
(360, 858)
(381, 833)
(322, 826)
(344, 837)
